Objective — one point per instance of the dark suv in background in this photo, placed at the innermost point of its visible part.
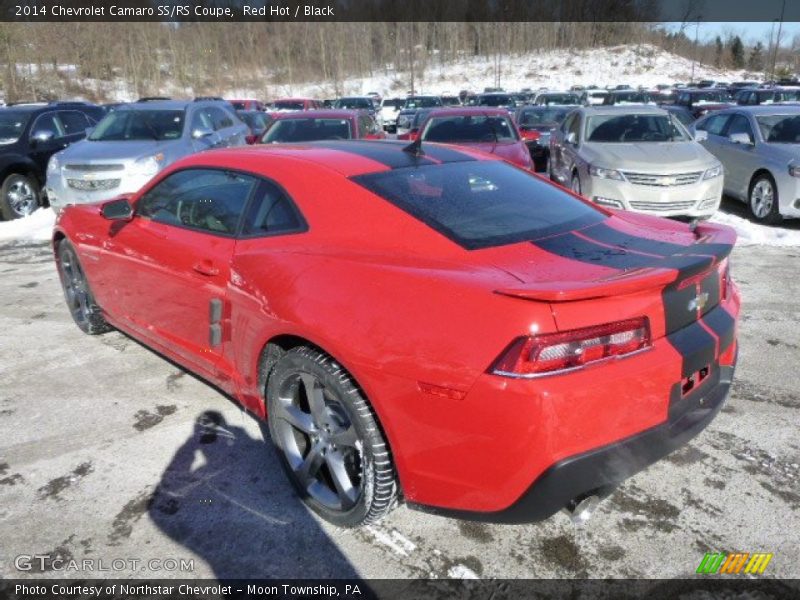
(29, 135)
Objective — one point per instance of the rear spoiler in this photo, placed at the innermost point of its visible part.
(714, 244)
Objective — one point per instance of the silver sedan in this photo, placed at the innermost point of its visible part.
(760, 149)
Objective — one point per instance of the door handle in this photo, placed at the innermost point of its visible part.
(206, 267)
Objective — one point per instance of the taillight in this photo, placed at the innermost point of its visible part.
(724, 279)
(554, 352)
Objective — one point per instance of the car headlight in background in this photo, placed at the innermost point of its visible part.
(714, 171)
(602, 173)
(147, 166)
(794, 170)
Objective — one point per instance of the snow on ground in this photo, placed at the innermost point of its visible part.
(35, 227)
(752, 234)
(39, 226)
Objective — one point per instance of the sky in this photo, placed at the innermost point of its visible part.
(749, 32)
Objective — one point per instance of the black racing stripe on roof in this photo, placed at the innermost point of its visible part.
(574, 247)
(391, 154)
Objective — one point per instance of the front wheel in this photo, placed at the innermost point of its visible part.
(764, 200)
(80, 301)
(19, 196)
(328, 439)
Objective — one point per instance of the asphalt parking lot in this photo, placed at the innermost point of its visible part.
(102, 457)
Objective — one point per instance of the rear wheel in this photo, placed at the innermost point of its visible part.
(764, 200)
(19, 196)
(80, 302)
(328, 439)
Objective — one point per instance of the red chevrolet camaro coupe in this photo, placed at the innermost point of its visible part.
(423, 322)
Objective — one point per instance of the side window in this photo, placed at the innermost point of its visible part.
(714, 124)
(575, 127)
(567, 123)
(740, 124)
(272, 213)
(219, 118)
(47, 123)
(204, 199)
(73, 122)
(202, 120)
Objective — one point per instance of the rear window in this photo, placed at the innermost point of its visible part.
(307, 130)
(481, 204)
(469, 128)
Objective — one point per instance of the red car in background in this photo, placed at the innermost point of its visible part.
(294, 104)
(248, 105)
(491, 130)
(437, 326)
(313, 125)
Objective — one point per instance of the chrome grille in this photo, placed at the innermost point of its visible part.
(94, 168)
(666, 180)
(662, 206)
(90, 185)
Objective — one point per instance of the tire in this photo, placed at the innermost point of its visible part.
(575, 184)
(762, 200)
(328, 441)
(80, 301)
(19, 196)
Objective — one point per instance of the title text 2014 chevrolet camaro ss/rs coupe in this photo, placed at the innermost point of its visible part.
(428, 322)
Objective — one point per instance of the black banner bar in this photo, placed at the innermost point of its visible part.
(607, 11)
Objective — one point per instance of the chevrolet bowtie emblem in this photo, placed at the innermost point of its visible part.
(697, 303)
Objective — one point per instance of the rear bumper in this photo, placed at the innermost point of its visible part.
(601, 469)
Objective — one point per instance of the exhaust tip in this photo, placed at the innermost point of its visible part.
(582, 508)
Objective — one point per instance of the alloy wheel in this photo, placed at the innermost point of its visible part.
(762, 198)
(319, 441)
(75, 287)
(21, 198)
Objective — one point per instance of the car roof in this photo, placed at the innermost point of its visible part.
(323, 113)
(163, 104)
(614, 109)
(467, 111)
(349, 158)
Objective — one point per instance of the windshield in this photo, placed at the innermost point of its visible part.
(12, 124)
(307, 130)
(787, 96)
(419, 118)
(711, 97)
(393, 103)
(353, 103)
(634, 128)
(539, 117)
(480, 204)
(137, 125)
(780, 129)
(632, 98)
(470, 128)
(496, 100)
(422, 102)
(560, 99)
(289, 105)
(254, 120)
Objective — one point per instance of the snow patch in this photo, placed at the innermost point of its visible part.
(36, 227)
(394, 540)
(755, 234)
(461, 572)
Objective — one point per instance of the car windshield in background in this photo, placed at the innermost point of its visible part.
(787, 96)
(307, 130)
(255, 120)
(632, 98)
(634, 128)
(496, 100)
(419, 118)
(480, 204)
(130, 125)
(469, 128)
(780, 129)
(394, 102)
(354, 103)
(561, 99)
(422, 102)
(12, 124)
(540, 117)
(715, 97)
(289, 105)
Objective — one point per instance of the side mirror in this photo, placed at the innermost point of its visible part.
(740, 138)
(42, 135)
(118, 209)
(700, 135)
(202, 132)
(572, 138)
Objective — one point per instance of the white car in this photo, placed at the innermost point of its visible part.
(390, 108)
